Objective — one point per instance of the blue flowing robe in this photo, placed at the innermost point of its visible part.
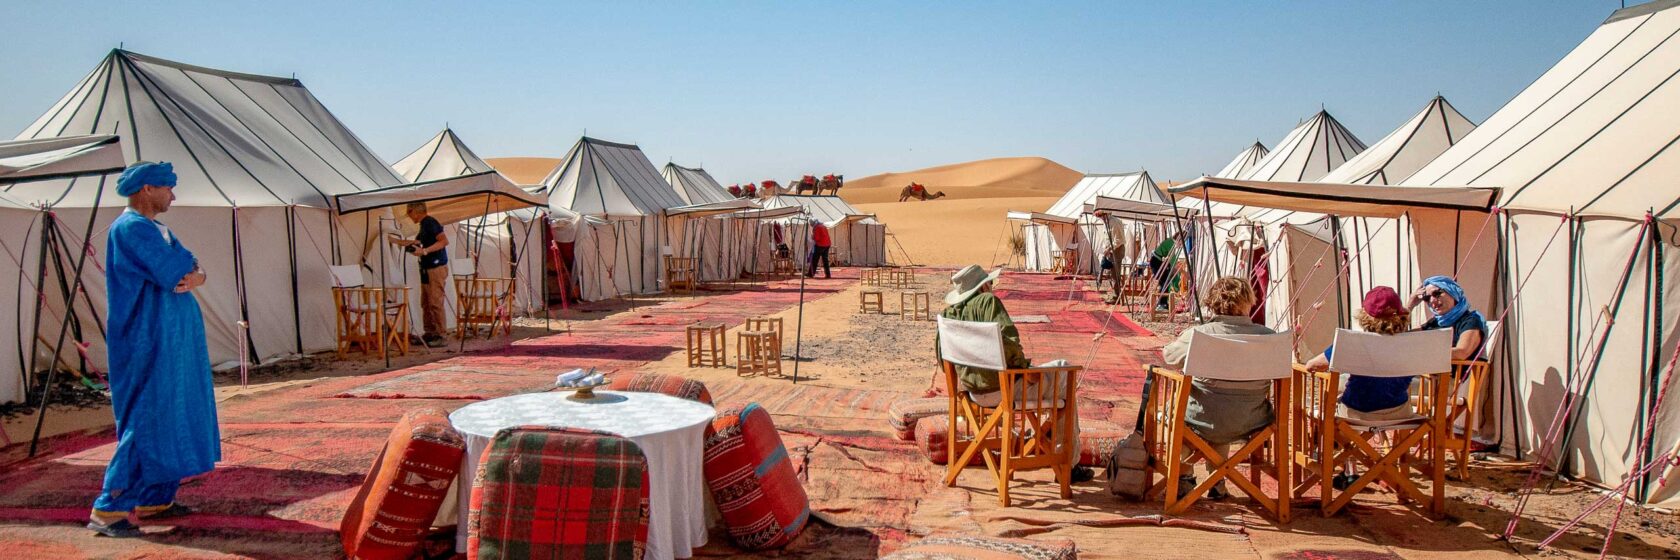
(161, 389)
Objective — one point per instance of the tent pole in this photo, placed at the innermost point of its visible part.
(1190, 265)
(69, 310)
(1207, 207)
(799, 328)
(384, 283)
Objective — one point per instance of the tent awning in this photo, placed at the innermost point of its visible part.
(767, 213)
(1040, 217)
(1338, 198)
(711, 208)
(449, 200)
(53, 158)
(1140, 210)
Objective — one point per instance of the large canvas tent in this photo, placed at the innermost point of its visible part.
(1587, 151)
(1245, 161)
(260, 161)
(859, 239)
(617, 186)
(1067, 224)
(695, 185)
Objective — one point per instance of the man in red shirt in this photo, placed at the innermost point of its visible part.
(819, 249)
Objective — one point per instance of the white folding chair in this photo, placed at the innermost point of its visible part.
(1168, 439)
(1470, 378)
(1035, 428)
(1326, 440)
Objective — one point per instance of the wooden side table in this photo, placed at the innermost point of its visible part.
(870, 301)
(705, 345)
(914, 305)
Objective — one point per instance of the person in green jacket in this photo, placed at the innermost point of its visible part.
(971, 299)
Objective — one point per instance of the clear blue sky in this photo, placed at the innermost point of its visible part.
(770, 89)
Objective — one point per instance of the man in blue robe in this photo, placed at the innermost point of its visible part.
(161, 392)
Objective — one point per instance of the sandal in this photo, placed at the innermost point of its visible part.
(120, 529)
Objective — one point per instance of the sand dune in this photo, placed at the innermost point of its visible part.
(987, 178)
(524, 170)
(952, 232)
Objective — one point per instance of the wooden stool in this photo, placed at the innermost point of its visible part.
(781, 266)
(870, 300)
(902, 279)
(914, 305)
(705, 345)
(753, 353)
(871, 277)
(772, 325)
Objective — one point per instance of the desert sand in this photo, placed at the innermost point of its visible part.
(1028, 177)
(524, 170)
(952, 232)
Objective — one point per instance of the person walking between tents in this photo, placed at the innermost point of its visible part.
(820, 244)
(434, 258)
(161, 391)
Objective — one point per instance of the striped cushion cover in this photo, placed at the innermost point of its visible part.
(545, 492)
(752, 481)
(672, 385)
(902, 415)
(404, 488)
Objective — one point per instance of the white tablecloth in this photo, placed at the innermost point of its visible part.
(670, 431)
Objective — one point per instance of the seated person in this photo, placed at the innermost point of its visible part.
(1372, 398)
(1223, 412)
(1449, 308)
(971, 299)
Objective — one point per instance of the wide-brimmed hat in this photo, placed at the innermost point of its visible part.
(967, 282)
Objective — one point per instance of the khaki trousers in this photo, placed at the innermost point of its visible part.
(431, 300)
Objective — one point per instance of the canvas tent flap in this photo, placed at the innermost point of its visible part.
(1338, 199)
(449, 200)
(48, 158)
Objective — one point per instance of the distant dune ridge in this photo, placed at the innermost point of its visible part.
(524, 170)
(1025, 177)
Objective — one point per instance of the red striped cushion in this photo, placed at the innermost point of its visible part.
(404, 488)
(752, 481)
(931, 434)
(672, 385)
(902, 415)
(545, 492)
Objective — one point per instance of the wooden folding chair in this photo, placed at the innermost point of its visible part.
(1174, 448)
(359, 311)
(1325, 440)
(480, 302)
(680, 271)
(1032, 425)
(1470, 382)
(1174, 294)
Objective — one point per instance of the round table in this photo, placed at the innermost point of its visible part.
(670, 431)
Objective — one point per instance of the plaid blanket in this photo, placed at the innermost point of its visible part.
(672, 385)
(404, 488)
(902, 415)
(947, 547)
(546, 492)
(754, 485)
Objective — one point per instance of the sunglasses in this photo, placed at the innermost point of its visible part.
(1434, 294)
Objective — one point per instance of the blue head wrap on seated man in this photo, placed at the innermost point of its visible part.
(159, 174)
(1451, 287)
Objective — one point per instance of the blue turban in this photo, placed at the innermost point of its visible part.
(159, 174)
(1451, 287)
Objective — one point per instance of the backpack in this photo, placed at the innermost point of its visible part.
(1126, 469)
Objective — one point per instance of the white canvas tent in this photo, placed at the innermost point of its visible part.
(259, 161)
(695, 185)
(94, 158)
(859, 239)
(1593, 139)
(1067, 223)
(1245, 162)
(616, 184)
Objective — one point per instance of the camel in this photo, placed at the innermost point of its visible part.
(806, 183)
(832, 184)
(918, 192)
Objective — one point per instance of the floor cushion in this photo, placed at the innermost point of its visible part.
(544, 492)
(757, 492)
(931, 438)
(404, 488)
(902, 415)
(944, 547)
(672, 385)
